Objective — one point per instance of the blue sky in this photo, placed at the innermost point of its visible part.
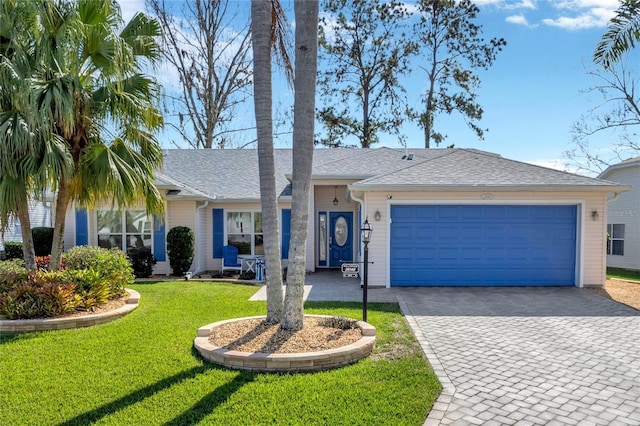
(533, 93)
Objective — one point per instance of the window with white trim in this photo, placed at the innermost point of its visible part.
(615, 239)
(126, 230)
(244, 230)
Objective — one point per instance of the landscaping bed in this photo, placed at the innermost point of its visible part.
(142, 369)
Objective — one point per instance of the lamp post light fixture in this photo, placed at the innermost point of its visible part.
(366, 230)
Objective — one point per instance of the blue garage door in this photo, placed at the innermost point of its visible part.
(443, 245)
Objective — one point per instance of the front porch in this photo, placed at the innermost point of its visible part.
(329, 285)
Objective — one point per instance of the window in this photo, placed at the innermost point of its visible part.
(615, 239)
(244, 230)
(125, 230)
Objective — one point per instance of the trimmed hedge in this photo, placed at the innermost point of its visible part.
(180, 248)
(142, 261)
(42, 240)
(13, 250)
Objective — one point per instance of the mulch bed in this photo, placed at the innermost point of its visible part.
(256, 335)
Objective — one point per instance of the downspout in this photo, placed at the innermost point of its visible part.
(206, 203)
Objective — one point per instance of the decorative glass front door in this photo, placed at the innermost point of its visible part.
(341, 238)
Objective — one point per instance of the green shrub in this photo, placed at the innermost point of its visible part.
(111, 264)
(180, 247)
(42, 295)
(142, 262)
(12, 273)
(93, 276)
(13, 250)
(42, 240)
(93, 289)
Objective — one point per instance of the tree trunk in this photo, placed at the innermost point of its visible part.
(306, 42)
(22, 211)
(62, 204)
(262, 95)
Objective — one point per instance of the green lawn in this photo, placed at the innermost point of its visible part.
(624, 274)
(143, 370)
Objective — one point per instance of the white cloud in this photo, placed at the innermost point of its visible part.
(586, 4)
(557, 164)
(508, 4)
(580, 22)
(583, 14)
(518, 20)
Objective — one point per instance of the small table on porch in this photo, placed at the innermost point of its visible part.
(248, 262)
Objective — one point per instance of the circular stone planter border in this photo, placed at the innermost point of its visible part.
(304, 361)
(26, 325)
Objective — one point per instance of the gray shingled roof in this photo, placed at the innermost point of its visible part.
(468, 169)
(232, 174)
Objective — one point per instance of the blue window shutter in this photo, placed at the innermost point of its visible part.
(286, 232)
(218, 233)
(82, 227)
(159, 240)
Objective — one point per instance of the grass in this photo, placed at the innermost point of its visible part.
(624, 274)
(143, 370)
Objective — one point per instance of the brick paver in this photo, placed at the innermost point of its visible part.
(535, 356)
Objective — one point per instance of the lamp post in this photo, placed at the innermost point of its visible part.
(366, 231)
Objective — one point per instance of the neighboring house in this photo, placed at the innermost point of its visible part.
(40, 213)
(623, 223)
(453, 217)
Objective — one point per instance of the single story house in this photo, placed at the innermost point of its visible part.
(441, 217)
(623, 217)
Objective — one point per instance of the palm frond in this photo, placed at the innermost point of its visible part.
(622, 35)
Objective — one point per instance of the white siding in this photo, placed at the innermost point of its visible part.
(591, 233)
(40, 214)
(626, 210)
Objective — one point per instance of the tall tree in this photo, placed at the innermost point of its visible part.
(306, 67)
(266, 28)
(617, 115)
(30, 155)
(616, 81)
(453, 47)
(622, 35)
(364, 49)
(208, 46)
(88, 91)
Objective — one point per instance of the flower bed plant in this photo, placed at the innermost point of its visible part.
(91, 276)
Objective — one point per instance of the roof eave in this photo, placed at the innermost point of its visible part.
(501, 188)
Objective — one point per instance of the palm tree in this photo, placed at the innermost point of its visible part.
(30, 155)
(306, 65)
(88, 85)
(623, 33)
(262, 12)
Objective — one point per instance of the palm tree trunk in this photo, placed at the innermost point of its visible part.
(62, 204)
(262, 95)
(22, 211)
(306, 66)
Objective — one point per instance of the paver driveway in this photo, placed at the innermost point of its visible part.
(549, 356)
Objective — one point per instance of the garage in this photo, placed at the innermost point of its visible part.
(483, 245)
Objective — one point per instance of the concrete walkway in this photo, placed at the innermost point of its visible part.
(525, 356)
(329, 285)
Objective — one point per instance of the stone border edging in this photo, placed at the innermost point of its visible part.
(26, 325)
(304, 361)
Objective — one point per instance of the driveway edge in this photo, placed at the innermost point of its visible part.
(441, 405)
